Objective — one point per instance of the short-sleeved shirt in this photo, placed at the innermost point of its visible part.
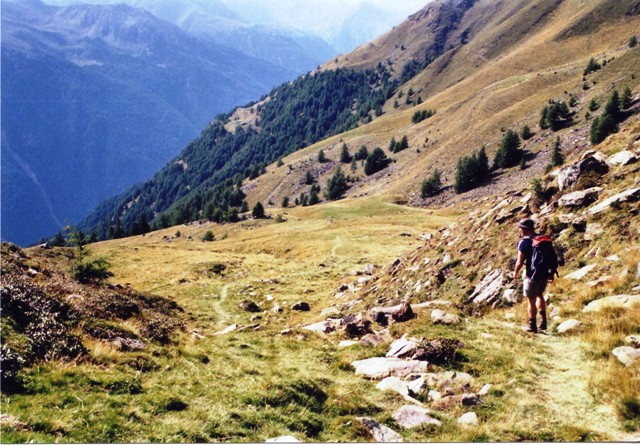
(526, 247)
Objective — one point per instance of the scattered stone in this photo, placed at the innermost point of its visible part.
(580, 273)
(409, 416)
(287, 331)
(380, 433)
(511, 296)
(426, 236)
(347, 343)
(277, 309)
(580, 198)
(622, 158)
(567, 326)
(569, 175)
(227, 330)
(485, 389)
(129, 344)
(613, 258)
(283, 439)
(302, 306)
(488, 291)
(369, 269)
(373, 339)
(402, 347)
(330, 311)
(591, 232)
(630, 195)
(468, 419)
(196, 334)
(358, 328)
(438, 316)
(377, 368)
(470, 400)
(249, 306)
(621, 301)
(448, 379)
(626, 354)
(396, 385)
(323, 327)
(9, 421)
(404, 313)
(599, 282)
(434, 395)
(417, 386)
(632, 340)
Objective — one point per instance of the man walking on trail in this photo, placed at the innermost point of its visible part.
(537, 253)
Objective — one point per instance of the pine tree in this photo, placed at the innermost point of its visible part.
(526, 133)
(625, 99)
(345, 157)
(557, 158)
(633, 41)
(509, 153)
(285, 202)
(258, 211)
(308, 178)
(321, 157)
(393, 145)
(361, 154)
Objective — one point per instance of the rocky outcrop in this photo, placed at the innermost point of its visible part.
(489, 289)
(580, 198)
(568, 176)
(622, 158)
(630, 195)
(617, 301)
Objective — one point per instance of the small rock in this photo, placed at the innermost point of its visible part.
(404, 313)
(373, 339)
(470, 400)
(347, 343)
(511, 296)
(396, 385)
(567, 326)
(468, 419)
(380, 433)
(324, 327)
(485, 389)
(329, 311)
(591, 233)
(632, 340)
(369, 269)
(489, 289)
(438, 316)
(302, 306)
(613, 258)
(249, 306)
(599, 282)
(402, 347)
(434, 395)
(626, 354)
(409, 416)
(227, 330)
(580, 273)
(283, 439)
(9, 421)
(277, 309)
(129, 344)
(417, 386)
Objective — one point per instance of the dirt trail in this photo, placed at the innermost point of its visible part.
(565, 388)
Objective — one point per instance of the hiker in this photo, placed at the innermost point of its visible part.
(537, 253)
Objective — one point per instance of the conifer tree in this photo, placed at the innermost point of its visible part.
(557, 158)
(376, 161)
(336, 186)
(432, 185)
(321, 156)
(258, 211)
(509, 153)
(345, 157)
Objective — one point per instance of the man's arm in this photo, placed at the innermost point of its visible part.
(519, 264)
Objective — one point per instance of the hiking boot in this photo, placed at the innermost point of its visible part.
(532, 326)
(543, 325)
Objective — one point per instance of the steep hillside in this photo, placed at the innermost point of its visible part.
(97, 98)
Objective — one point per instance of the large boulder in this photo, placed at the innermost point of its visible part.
(630, 195)
(580, 198)
(617, 301)
(568, 176)
(377, 368)
(409, 416)
(379, 433)
(489, 289)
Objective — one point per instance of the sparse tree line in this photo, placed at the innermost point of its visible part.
(473, 171)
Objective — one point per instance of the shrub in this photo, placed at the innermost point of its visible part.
(591, 67)
(208, 236)
(557, 158)
(526, 133)
(361, 154)
(91, 270)
(336, 186)
(421, 115)
(432, 185)
(633, 41)
(321, 157)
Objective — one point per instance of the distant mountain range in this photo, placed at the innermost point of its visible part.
(96, 98)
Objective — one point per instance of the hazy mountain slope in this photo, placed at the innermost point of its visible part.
(508, 69)
(96, 98)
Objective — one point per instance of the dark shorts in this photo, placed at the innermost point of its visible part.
(534, 288)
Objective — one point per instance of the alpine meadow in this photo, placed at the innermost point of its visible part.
(335, 261)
